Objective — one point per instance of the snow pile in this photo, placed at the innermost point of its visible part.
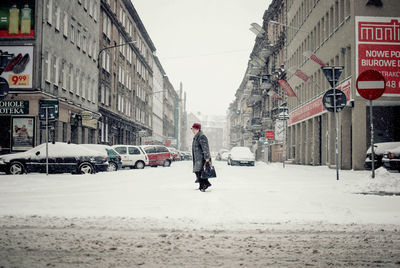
(384, 182)
(244, 196)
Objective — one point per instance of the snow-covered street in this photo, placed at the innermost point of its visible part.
(251, 216)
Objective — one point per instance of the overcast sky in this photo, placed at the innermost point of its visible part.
(203, 44)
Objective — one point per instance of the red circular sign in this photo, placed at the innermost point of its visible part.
(370, 84)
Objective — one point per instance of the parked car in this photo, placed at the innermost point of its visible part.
(379, 150)
(391, 159)
(62, 158)
(225, 156)
(113, 158)
(175, 154)
(219, 154)
(186, 156)
(132, 156)
(241, 156)
(159, 155)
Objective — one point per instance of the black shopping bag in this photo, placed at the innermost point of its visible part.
(208, 171)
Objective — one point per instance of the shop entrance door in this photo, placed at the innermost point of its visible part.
(5, 129)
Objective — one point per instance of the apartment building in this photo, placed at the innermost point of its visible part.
(126, 74)
(54, 46)
(340, 33)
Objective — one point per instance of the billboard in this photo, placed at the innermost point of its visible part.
(16, 66)
(17, 19)
(378, 48)
(22, 133)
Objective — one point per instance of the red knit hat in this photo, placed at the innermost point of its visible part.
(196, 126)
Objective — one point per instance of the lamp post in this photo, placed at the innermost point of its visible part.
(105, 48)
(288, 26)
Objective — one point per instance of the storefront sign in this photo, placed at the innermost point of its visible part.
(16, 66)
(22, 133)
(14, 107)
(378, 48)
(17, 19)
(315, 106)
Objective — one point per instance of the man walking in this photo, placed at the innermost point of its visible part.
(201, 155)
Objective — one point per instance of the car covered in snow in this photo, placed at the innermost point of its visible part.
(391, 159)
(175, 154)
(225, 156)
(159, 155)
(241, 156)
(62, 158)
(220, 153)
(132, 156)
(379, 150)
(113, 158)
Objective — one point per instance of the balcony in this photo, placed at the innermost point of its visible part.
(253, 99)
(256, 124)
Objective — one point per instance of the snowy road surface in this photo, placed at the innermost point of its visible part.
(251, 216)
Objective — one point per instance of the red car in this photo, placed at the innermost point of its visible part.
(158, 155)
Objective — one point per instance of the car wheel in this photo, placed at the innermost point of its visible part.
(112, 166)
(85, 168)
(16, 168)
(167, 163)
(139, 165)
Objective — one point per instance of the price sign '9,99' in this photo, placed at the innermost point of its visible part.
(19, 80)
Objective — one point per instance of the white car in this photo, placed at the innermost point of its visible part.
(241, 156)
(132, 156)
(225, 156)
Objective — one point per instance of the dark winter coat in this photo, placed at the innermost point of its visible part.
(200, 151)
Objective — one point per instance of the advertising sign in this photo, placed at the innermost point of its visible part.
(14, 107)
(22, 133)
(315, 107)
(17, 19)
(378, 48)
(16, 66)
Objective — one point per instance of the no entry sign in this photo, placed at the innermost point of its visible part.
(269, 134)
(370, 84)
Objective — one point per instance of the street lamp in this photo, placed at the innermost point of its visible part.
(287, 26)
(105, 48)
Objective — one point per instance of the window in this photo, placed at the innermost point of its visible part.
(77, 85)
(133, 150)
(78, 39)
(58, 18)
(54, 71)
(95, 10)
(72, 34)
(65, 24)
(107, 25)
(120, 150)
(102, 93)
(106, 62)
(71, 79)
(90, 48)
(150, 150)
(108, 96)
(84, 44)
(49, 11)
(47, 68)
(63, 74)
(162, 149)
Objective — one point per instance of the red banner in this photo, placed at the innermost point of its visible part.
(287, 88)
(315, 106)
(378, 48)
(314, 58)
